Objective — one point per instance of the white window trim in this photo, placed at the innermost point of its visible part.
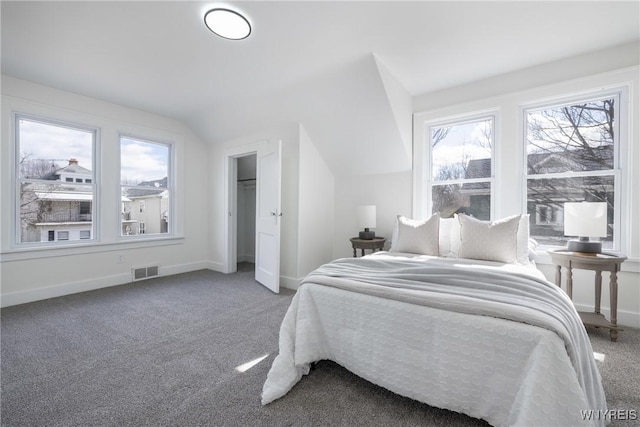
(422, 170)
(16, 244)
(511, 132)
(620, 171)
(107, 231)
(174, 227)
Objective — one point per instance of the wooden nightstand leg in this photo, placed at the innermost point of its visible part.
(569, 282)
(362, 251)
(613, 298)
(354, 252)
(559, 276)
(598, 290)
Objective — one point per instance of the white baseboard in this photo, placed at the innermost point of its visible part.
(183, 268)
(215, 266)
(289, 282)
(31, 295)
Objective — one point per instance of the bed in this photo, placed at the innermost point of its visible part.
(432, 321)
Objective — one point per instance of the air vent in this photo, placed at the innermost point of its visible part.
(144, 272)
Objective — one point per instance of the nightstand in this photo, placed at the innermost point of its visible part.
(598, 263)
(377, 243)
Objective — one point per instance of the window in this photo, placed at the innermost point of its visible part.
(461, 167)
(146, 190)
(85, 208)
(85, 234)
(50, 156)
(572, 156)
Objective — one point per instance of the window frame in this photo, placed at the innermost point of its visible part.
(16, 239)
(171, 189)
(424, 197)
(620, 142)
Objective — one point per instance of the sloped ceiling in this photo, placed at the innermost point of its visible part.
(346, 70)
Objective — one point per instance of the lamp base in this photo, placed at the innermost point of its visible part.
(366, 234)
(586, 247)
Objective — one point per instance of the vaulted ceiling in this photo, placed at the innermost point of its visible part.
(345, 70)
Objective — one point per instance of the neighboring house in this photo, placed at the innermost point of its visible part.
(145, 208)
(59, 212)
(145, 211)
(63, 211)
(72, 173)
(545, 198)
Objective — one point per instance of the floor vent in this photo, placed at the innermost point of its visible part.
(144, 272)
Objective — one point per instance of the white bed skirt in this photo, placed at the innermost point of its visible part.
(505, 372)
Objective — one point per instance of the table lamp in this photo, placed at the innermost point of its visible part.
(366, 219)
(584, 220)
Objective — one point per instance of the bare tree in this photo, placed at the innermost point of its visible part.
(438, 135)
(32, 208)
(571, 138)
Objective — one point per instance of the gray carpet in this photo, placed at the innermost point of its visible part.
(162, 352)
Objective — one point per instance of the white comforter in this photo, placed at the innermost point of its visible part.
(494, 341)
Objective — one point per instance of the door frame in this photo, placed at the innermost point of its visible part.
(230, 201)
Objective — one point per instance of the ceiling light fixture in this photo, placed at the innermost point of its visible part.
(227, 23)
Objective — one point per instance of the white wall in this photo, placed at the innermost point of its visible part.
(289, 135)
(316, 208)
(390, 193)
(37, 274)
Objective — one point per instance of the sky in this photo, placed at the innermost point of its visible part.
(140, 160)
(55, 143)
(462, 142)
(143, 161)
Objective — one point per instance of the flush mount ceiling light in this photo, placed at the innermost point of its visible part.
(227, 23)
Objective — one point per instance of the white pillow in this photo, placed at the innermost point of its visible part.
(523, 240)
(533, 244)
(416, 236)
(489, 240)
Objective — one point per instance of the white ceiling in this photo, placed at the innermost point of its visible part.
(317, 63)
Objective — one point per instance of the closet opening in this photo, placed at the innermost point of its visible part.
(246, 213)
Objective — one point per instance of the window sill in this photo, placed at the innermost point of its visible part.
(20, 254)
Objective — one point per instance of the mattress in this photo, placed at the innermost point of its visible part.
(503, 370)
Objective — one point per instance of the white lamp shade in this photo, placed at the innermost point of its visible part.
(366, 216)
(585, 219)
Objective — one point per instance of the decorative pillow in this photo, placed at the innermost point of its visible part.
(416, 236)
(533, 244)
(523, 240)
(489, 240)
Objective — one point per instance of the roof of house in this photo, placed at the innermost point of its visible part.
(72, 168)
(597, 158)
(140, 192)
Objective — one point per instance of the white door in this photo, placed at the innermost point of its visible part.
(268, 215)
